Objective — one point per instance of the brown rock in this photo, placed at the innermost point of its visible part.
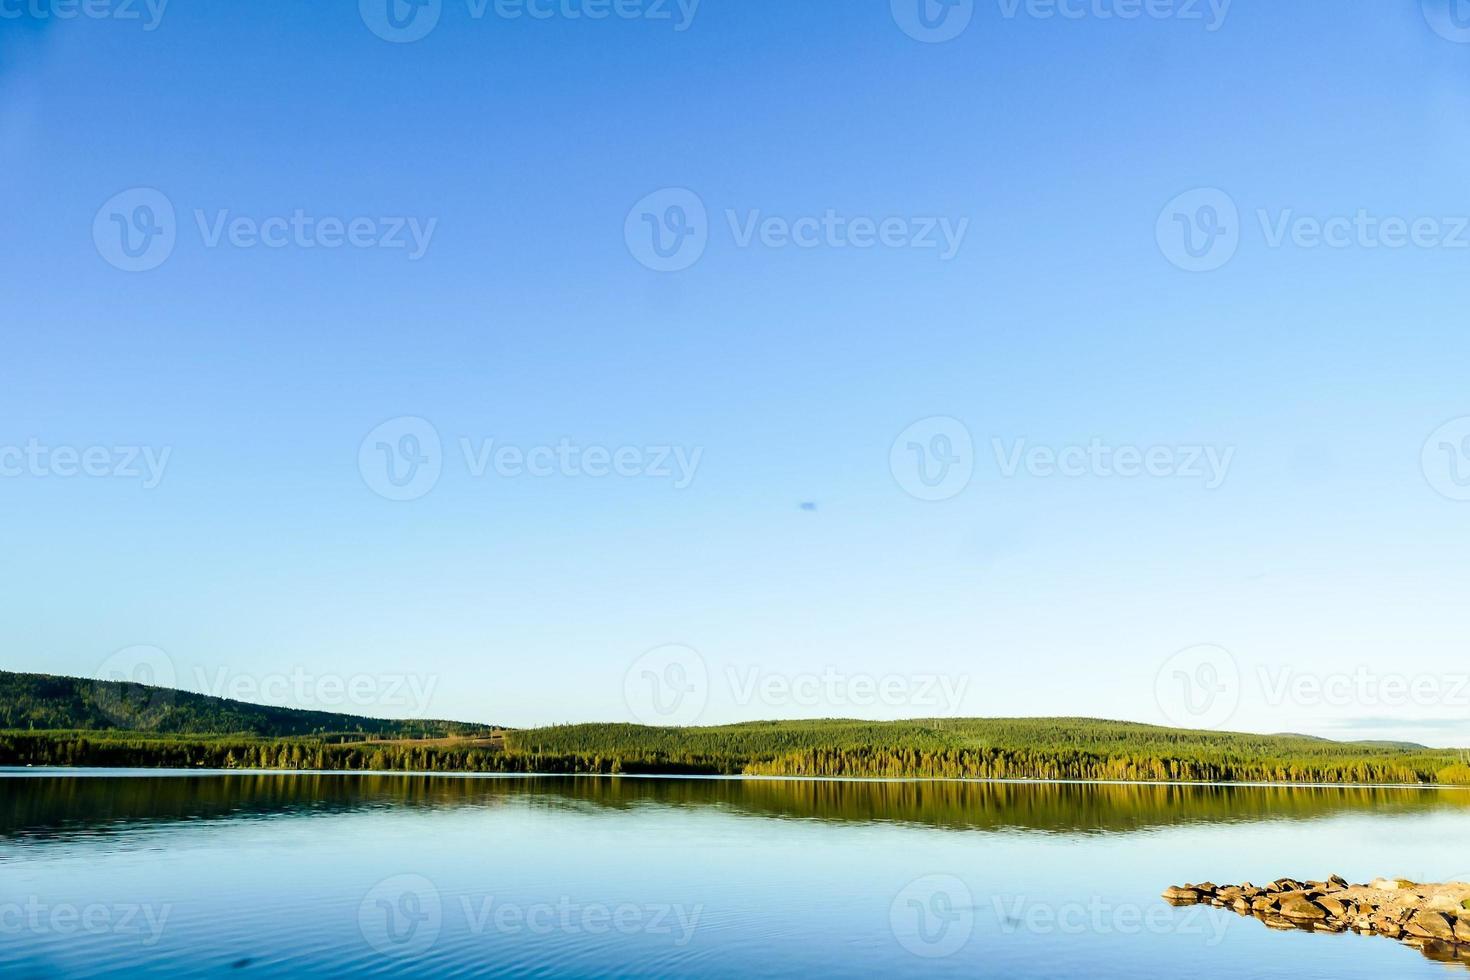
(1302, 909)
(1307, 893)
(1430, 925)
(1391, 884)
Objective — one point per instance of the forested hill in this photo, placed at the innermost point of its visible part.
(994, 748)
(44, 702)
(66, 721)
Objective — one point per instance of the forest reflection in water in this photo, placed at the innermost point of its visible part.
(38, 805)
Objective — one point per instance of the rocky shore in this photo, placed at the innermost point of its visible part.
(1432, 918)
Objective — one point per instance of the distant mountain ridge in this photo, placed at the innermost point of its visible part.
(1377, 743)
(50, 702)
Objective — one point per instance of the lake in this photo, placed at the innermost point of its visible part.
(112, 874)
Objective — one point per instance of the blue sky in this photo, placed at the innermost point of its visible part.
(1060, 152)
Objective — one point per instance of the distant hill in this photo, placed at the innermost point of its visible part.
(49, 702)
(1374, 743)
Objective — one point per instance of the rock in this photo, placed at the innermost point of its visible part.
(1388, 927)
(1391, 884)
(1430, 925)
(1298, 907)
(1432, 917)
(1442, 903)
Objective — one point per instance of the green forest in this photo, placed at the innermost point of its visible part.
(48, 702)
(69, 722)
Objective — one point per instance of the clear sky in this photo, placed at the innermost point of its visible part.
(820, 292)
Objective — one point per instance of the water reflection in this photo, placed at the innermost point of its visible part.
(269, 874)
(41, 806)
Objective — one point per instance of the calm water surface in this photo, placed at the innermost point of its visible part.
(121, 874)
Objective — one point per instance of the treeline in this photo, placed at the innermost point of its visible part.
(993, 763)
(131, 750)
(969, 749)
